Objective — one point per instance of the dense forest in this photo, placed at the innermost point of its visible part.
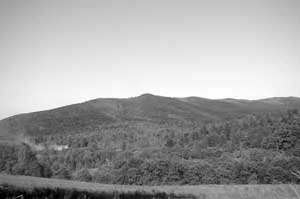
(257, 148)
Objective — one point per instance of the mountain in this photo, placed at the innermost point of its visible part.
(156, 140)
(145, 108)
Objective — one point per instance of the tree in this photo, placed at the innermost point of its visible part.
(82, 175)
(170, 142)
(253, 179)
(27, 163)
(103, 176)
(25, 154)
(270, 143)
(278, 175)
(297, 174)
(62, 173)
(213, 139)
(134, 176)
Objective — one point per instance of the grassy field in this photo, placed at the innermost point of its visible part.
(32, 184)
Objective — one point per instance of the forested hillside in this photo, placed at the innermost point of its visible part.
(146, 108)
(152, 140)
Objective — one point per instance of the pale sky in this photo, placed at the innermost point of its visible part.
(60, 52)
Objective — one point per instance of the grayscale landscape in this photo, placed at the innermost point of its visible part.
(165, 99)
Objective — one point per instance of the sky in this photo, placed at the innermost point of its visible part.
(60, 52)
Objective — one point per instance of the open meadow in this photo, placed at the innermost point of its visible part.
(32, 187)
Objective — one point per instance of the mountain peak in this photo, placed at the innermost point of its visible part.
(147, 95)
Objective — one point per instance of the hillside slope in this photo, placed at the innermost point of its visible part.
(146, 108)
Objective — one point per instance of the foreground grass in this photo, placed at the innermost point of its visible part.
(13, 186)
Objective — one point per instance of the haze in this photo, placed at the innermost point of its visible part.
(55, 53)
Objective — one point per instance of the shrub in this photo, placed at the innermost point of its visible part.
(82, 175)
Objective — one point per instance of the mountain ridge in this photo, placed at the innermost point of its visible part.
(146, 107)
(149, 94)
